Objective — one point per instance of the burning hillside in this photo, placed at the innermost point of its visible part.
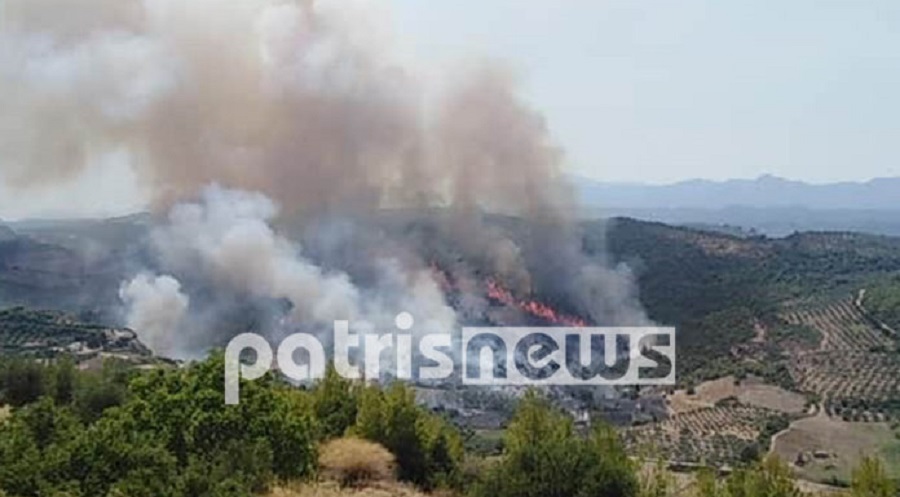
(494, 291)
(533, 308)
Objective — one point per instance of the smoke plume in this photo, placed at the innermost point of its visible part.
(295, 100)
(272, 96)
(156, 307)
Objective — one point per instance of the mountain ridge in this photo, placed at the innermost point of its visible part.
(766, 191)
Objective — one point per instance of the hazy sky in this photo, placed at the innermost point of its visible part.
(656, 90)
(665, 90)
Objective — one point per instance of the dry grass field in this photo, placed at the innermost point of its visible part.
(839, 445)
(334, 490)
(752, 391)
(4, 413)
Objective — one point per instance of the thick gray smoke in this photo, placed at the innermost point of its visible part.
(292, 99)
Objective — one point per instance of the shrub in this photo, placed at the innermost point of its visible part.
(870, 479)
(22, 382)
(769, 478)
(335, 404)
(169, 434)
(356, 462)
(545, 457)
(427, 448)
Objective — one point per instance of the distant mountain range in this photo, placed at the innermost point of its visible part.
(768, 204)
(763, 192)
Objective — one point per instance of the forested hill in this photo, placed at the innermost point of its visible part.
(882, 301)
(704, 263)
(718, 289)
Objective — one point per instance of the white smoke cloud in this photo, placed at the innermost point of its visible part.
(226, 240)
(155, 309)
(226, 237)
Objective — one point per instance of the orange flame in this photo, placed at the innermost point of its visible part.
(537, 309)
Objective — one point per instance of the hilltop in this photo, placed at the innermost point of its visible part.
(766, 191)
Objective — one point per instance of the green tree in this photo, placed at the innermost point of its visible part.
(186, 409)
(20, 459)
(169, 435)
(335, 404)
(769, 478)
(657, 481)
(97, 391)
(544, 457)
(706, 484)
(115, 453)
(609, 470)
(22, 382)
(428, 450)
(64, 377)
(370, 416)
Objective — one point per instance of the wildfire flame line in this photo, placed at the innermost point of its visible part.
(496, 292)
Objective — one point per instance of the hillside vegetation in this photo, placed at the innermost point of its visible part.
(169, 433)
(882, 301)
(720, 290)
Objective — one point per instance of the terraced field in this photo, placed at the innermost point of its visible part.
(856, 370)
(843, 327)
(715, 436)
